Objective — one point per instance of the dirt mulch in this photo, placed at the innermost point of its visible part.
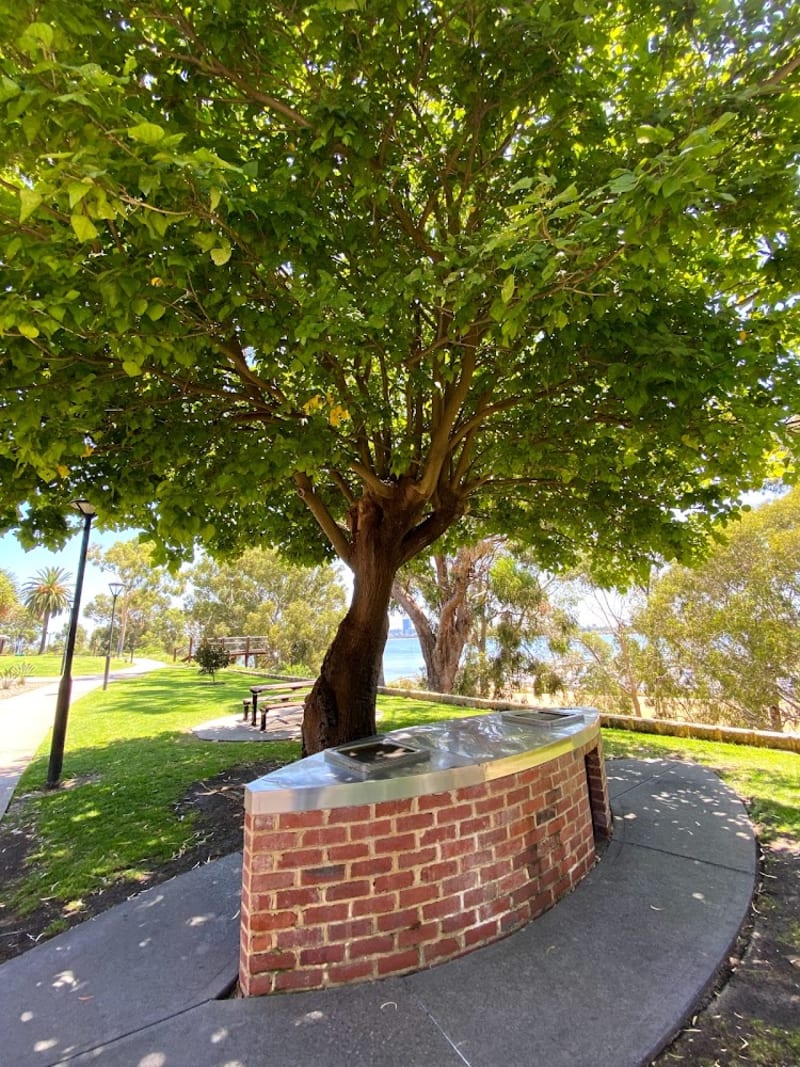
(219, 807)
(752, 1018)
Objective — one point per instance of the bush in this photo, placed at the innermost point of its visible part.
(13, 674)
(211, 659)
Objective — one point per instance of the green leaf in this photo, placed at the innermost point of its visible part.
(29, 200)
(671, 185)
(221, 255)
(76, 191)
(37, 35)
(653, 135)
(85, 229)
(27, 329)
(8, 89)
(624, 182)
(507, 292)
(147, 133)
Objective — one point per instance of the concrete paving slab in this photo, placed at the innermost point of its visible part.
(163, 951)
(602, 980)
(285, 727)
(685, 809)
(363, 1026)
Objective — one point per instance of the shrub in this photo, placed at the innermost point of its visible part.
(211, 658)
(13, 674)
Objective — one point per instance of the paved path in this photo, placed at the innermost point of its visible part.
(25, 721)
(602, 980)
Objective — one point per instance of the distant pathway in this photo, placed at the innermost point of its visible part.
(26, 719)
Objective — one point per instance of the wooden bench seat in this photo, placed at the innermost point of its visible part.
(297, 706)
(279, 693)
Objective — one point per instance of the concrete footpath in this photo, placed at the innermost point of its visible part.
(602, 980)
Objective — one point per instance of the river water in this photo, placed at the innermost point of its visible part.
(402, 658)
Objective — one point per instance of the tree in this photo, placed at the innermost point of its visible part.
(45, 595)
(725, 636)
(520, 629)
(211, 658)
(330, 276)
(9, 598)
(439, 596)
(604, 662)
(295, 608)
(9, 604)
(148, 589)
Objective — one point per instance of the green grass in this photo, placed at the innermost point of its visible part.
(131, 755)
(49, 665)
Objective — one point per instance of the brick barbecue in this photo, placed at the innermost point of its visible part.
(350, 879)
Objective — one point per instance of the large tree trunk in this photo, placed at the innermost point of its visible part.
(425, 632)
(441, 646)
(442, 642)
(341, 706)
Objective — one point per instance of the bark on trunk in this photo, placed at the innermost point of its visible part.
(630, 674)
(441, 647)
(45, 625)
(341, 706)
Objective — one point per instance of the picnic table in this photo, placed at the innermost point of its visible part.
(281, 696)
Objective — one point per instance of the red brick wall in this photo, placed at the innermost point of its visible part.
(356, 893)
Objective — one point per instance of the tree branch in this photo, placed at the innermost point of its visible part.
(332, 530)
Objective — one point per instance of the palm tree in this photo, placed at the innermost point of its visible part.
(45, 595)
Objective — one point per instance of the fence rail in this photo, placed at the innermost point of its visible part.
(235, 646)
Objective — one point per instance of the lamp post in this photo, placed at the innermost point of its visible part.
(65, 686)
(115, 588)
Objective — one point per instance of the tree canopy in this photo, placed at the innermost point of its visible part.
(332, 275)
(147, 590)
(726, 635)
(296, 608)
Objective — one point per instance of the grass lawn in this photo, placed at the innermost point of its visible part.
(130, 756)
(767, 779)
(49, 665)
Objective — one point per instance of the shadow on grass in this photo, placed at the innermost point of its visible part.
(116, 814)
(179, 689)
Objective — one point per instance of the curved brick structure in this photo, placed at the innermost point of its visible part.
(335, 894)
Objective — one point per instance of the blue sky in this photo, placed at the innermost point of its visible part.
(23, 565)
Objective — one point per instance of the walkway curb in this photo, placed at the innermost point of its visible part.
(604, 979)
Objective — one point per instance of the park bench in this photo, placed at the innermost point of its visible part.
(280, 696)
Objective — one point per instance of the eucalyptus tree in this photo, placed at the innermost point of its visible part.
(296, 608)
(443, 595)
(332, 275)
(45, 595)
(148, 588)
(724, 637)
(9, 596)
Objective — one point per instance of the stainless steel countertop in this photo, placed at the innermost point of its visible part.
(463, 752)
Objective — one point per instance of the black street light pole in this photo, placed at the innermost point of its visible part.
(115, 588)
(65, 686)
